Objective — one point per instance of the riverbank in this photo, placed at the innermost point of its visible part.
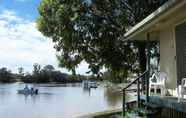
(103, 114)
(112, 114)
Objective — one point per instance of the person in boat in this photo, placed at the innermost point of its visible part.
(26, 88)
(32, 90)
(36, 91)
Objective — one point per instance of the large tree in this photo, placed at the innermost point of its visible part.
(92, 30)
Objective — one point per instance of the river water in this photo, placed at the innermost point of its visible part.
(56, 101)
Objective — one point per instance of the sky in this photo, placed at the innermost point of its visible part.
(21, 44)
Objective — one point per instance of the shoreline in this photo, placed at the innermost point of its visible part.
(102, 114)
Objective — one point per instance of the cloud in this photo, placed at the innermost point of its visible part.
(21, 44)
(9, 16)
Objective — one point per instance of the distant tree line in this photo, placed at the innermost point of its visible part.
(47, 74)
(6, 76)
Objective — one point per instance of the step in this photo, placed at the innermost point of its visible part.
(133, 115)
(149, 113)
(151, 105)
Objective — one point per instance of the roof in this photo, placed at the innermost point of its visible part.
(154, 17)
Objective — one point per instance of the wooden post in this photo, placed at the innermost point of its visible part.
(148, 67)
(138, 93)
(123, 102)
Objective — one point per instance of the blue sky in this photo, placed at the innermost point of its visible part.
(21, 44)
(23, 8)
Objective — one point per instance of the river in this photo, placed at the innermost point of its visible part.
(56, 101)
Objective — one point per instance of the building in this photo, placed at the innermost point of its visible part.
(168, 26)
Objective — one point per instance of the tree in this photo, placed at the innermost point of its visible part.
(6, 76)
(59, 77)
(28, 78)
(49, 68)
(93, 31)
(69, 64)
(36, 69)
(36, 72)
(20, 75)
(21, 70)
(47, 72)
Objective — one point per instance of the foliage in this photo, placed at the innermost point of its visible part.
(21, 70)
(57, 76)
(6, 76)
(115, 76)
(28, 78)
(48, 68)
(93, 31)
(83, 31)
(137, 10)
(20, 74)
(48, 74)
(36, 68)
(43, 75)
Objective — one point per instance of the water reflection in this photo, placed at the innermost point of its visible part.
(112, 97)
(87, 90)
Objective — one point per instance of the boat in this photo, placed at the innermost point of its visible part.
(93, 85)
(27, 91)
(89, 84)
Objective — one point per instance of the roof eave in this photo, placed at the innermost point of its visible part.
(153, 18)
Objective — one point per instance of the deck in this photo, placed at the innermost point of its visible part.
(170, 107)
(168, 102)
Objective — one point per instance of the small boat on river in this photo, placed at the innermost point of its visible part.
(27, 91)
(93, 85)
(90, 84)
